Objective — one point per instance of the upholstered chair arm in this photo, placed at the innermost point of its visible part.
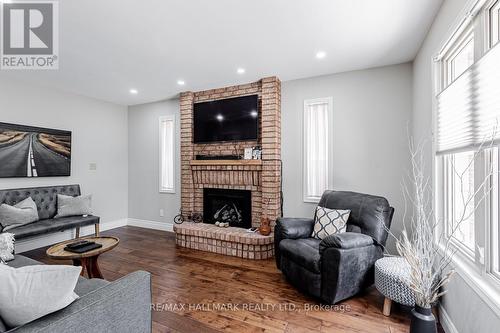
(290, 228)
(346, 272)
(345, 240)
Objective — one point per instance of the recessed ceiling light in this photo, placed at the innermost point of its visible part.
(240, 71)
(320, 54)
(133, 91)
(181, 82)
(254, 113)
(219, 117)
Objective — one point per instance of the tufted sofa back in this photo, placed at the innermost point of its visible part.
(44, 197)
(370, 215)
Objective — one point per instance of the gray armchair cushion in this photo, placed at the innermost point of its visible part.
(345, 240)
(304, 252)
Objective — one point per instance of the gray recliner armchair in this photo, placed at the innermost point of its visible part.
(340, 265)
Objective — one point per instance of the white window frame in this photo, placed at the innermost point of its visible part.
(492, 5)
(476, 269)
(329, 140)
(161, 121)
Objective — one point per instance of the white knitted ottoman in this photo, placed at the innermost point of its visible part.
(392, 279)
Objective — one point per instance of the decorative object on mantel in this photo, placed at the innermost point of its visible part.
(248, 155)
(428, 259)
(257, 153)
(265, 222)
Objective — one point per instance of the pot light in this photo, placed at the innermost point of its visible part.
(240, 71)
(133, 91)
(181, 82)
(219, 117)
(320, 54)
(254, 113)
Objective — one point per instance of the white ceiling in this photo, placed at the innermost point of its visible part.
(110, 46)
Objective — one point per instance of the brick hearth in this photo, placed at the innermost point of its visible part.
(236, 242)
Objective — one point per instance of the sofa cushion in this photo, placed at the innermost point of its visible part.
(30, 292)
(304, 252)
(83, 286)
(73, 206)
(22, 213)
(53, 225)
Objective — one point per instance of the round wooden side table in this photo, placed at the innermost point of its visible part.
(87, 260)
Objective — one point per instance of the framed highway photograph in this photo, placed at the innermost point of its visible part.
(27, 151)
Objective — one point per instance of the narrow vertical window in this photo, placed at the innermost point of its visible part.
(317, 147)
(167, 154)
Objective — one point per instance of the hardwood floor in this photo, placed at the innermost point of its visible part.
(188, 277)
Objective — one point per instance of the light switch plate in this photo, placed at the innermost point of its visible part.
(92, 166)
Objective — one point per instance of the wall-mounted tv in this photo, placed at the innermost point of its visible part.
(232, 119)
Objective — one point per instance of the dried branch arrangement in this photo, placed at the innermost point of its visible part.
(424, 242)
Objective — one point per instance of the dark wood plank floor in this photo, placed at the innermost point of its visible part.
(188, 277)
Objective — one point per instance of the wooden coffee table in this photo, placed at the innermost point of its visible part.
(87, 260)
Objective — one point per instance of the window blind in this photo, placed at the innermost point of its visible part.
(167, 151)
(469, 108)
(316, 147)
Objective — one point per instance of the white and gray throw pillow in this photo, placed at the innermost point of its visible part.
(73, 206)
(22, 213)
(30, 292)
(329, 222)
(6, 247)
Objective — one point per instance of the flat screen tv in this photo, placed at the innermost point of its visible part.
(232, 119)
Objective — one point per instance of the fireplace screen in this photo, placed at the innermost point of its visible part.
(223, 205)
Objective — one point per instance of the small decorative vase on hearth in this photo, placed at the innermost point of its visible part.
(265, 226)
(422, 320)
(265, 222)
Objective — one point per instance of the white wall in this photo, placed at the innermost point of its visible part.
(467, 311)
(371, 112)
(99, 135)
(145, 200)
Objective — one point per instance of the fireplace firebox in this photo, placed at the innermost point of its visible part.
(226, 205)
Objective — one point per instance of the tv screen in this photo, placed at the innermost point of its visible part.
(232, 119)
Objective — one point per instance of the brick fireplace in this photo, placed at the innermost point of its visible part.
(260, 178)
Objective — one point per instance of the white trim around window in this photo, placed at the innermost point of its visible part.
(166, 130)
(317, 153)
(478, 267)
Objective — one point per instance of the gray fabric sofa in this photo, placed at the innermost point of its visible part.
(46, 202)
(340, 265)
(120, 306)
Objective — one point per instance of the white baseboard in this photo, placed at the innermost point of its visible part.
(49, 239)
(445, 321)
(151, 224)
